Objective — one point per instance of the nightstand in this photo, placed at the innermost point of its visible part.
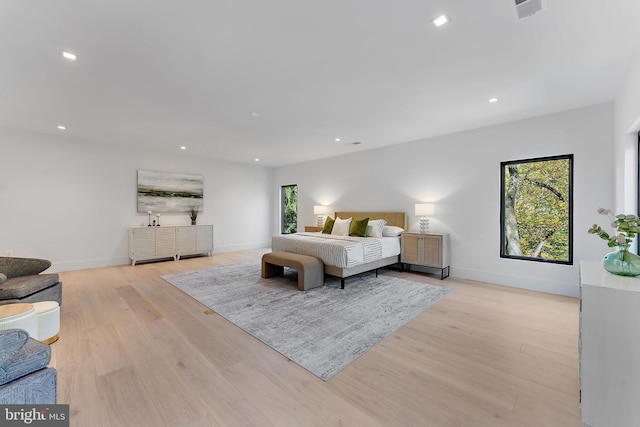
(427, 250)
(312, 229)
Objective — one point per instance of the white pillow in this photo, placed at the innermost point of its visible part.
(341, 227)
(374, 227)
(391, 231)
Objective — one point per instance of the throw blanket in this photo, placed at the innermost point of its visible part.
(339, 251)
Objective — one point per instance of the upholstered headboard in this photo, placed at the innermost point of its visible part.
(398, 219)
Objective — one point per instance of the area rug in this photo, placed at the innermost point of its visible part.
(323, 329)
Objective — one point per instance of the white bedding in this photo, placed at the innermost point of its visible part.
(338, 251)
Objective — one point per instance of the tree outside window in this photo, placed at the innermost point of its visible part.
(536, 206)
(289, 208)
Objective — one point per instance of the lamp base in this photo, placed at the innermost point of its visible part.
(320, 221)
(424, 225)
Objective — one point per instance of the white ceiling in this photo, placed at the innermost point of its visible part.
(159, 74)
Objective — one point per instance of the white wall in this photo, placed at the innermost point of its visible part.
(460, 173)
(626, 127)
(73, 201)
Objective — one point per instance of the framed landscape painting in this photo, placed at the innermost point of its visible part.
(536, 209)
(163, 192)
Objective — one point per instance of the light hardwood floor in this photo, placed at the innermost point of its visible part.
(136, 351)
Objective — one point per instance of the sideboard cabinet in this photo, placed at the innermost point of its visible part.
(147, 243)
(194, 240)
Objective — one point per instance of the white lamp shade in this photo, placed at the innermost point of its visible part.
(423, 209)
(320, 210)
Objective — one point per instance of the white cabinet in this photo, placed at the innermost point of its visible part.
(142, 243)
(193, 240)
(428, 250)
(185, 240)
(165, 242)
(609, 347)
(151, 243)
(204, 239)
(147, 243)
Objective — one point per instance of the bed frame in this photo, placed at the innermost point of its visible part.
(398, 219)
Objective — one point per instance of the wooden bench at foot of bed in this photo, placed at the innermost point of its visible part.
(310, 269)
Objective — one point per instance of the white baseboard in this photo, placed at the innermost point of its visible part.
(83, 264)
(523, 282)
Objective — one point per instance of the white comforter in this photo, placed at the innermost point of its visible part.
(339, 251)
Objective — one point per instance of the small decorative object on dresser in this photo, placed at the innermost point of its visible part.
(193, 214)
(427, 250)
(620, 262)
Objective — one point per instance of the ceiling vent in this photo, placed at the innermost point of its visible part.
(526, 8)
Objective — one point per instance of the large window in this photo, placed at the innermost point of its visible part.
(289, 209)
(536, 208)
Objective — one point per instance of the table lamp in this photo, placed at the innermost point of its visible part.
(422, 210)
(321, 211)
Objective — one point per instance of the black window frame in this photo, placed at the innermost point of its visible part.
(283, 210)
(503, 245)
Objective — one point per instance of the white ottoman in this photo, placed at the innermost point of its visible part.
(19, 316)
(48, 319)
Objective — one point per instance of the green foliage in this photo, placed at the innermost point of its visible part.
(193, 213)
(289, 209)
(542, 209)
(626, 225)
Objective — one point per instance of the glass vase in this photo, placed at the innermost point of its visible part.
(622, 262)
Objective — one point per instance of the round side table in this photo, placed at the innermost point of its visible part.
(48, 319)
(19, 316)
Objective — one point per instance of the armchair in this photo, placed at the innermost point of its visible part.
(24, 376)
(21, 281)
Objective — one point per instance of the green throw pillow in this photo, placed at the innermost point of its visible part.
(328, 225)
(358, 227)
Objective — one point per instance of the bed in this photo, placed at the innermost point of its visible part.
(345, 256)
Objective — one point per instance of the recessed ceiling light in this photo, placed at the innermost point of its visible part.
(254, 114)
(69, 55)
(183, 147)
(62, 127)
(256, 160)
(338, 140)
(440, 20)
(492, 100)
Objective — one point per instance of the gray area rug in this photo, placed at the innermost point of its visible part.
(324, 329)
